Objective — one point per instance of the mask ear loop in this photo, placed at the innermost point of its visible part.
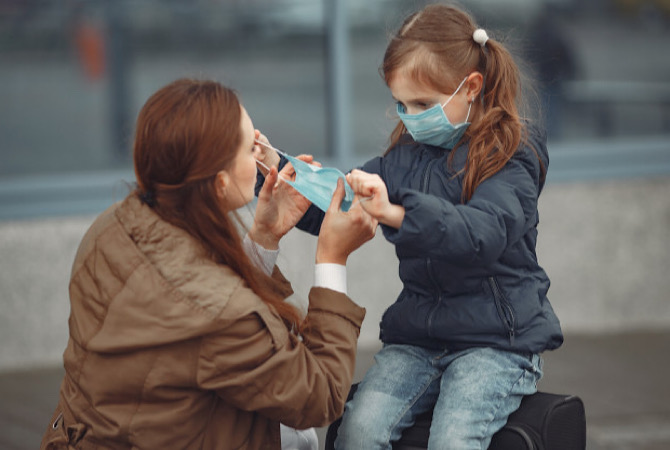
(265, 166)
(270, 147)
(469, 109)
(455, 92)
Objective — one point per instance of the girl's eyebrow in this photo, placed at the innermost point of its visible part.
(416, 100)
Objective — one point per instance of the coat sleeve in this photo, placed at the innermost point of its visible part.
(255, 364)
(500, 212)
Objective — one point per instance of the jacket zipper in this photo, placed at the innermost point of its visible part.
(505, 310)
(429, 269)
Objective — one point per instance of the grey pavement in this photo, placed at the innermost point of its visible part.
(622, 379)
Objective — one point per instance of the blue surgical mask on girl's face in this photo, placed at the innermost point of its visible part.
(432, 126)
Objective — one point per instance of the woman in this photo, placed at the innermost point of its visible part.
(179, 333)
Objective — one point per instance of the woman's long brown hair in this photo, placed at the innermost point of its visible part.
(435, 46)
(187, 132)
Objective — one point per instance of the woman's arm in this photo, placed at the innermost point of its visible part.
(256, 364)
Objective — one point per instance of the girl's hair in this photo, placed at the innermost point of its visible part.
(435, 47)
(186, 133)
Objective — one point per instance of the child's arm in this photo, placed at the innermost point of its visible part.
(502, 210)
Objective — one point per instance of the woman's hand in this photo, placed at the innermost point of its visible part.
(374, 198)
(278, 209)
(265, 154)
(270, 158)
(343, 232)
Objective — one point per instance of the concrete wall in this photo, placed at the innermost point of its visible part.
(605, 245)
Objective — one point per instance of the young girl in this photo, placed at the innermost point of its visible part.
(459, 201)
(456, 193)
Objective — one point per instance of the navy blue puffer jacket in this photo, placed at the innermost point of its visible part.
(469, 271)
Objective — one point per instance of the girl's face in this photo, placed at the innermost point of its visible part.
(240, 177)
(417, 97)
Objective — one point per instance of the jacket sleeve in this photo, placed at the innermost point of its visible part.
(255, 364)
(500, 212)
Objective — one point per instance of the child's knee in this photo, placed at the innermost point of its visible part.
(360, 429)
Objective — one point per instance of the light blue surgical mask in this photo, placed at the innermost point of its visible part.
(316, 184)
(432, 126)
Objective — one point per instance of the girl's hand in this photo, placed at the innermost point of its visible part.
(278, 209)
(264, 153)
(343, 232)
(373, 195)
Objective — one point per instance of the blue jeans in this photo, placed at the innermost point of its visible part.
(471, 392)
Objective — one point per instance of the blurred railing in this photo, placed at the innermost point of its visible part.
(602, 97)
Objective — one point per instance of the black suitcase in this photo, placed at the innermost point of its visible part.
(544, 421)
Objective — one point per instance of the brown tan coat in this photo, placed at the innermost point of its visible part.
(169, 350)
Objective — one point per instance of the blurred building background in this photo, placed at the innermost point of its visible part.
(73, 75)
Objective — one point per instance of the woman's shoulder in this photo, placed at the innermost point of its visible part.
(98, 228)
(178, 262)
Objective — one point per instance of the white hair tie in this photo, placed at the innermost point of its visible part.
(480, 36)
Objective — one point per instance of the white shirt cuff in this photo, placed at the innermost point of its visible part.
(331, 276)
(262, 257)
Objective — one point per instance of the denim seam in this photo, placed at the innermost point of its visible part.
(411, 404)
(501, 401)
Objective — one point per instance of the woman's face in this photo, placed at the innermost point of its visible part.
(417, 97)
(239, 189)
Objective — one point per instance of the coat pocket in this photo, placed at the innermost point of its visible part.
(504, 308)
(59, 436)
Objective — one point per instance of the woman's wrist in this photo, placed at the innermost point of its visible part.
(263, 237)
(323, 256)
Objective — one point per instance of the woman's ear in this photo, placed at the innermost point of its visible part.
(221, 182)
(473, 85)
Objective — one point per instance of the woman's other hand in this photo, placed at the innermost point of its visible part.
(278, 209)
(343, 232)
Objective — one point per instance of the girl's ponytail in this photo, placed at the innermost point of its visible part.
(497, 134)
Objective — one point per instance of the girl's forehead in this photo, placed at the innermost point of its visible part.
(404, 84)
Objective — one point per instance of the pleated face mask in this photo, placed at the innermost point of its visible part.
(432, 126)
(316, 184)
